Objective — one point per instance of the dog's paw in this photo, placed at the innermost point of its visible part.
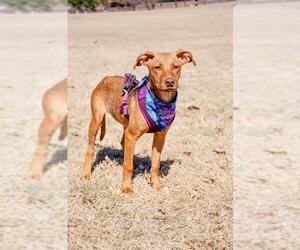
(127, 189)
(33, 175)
(157, 185)
(85, 176)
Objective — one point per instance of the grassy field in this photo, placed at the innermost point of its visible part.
(33, 58)
(266, 126)
(195, 212)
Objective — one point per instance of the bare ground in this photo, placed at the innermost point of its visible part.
(195, 212)
(33, 58)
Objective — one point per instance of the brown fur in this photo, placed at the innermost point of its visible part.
(54, 104)
(106, 98)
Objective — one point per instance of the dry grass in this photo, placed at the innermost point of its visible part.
(33, 58)
(196, 210)
(266, 127)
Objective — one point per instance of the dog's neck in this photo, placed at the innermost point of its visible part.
(164, 96)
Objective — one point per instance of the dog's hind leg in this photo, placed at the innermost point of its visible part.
(103, 128)
(46, 130)
(123, 139)
(54, 105)
(97, 121)
(64, 129)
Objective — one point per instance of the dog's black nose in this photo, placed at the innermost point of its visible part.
(169, 82)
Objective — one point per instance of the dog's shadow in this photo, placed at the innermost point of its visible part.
(59, 156)
(141, 165)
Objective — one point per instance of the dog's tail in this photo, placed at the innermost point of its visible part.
(103, 128)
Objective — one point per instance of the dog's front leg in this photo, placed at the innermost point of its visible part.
(130, 137)
(157, 146)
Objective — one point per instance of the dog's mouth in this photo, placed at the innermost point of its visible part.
(168, 89)
(165, 94)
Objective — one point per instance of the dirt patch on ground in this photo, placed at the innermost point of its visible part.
(196, 211)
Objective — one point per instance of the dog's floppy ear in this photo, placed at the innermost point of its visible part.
(143, 58)
(185, 56)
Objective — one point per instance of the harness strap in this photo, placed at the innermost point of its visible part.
(141, 95)
(130, 84)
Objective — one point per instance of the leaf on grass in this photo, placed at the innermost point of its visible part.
(75, 134)
(274, 151)
(161, 211)
(220, 151)
(210, 180)
(86, 200)
(192, 107)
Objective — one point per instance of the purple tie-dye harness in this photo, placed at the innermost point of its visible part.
(158, 114)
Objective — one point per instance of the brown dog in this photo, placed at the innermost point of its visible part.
(54, 104)
(164, 73)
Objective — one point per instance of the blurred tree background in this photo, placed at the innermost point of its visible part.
(86, 5)
(32, 5)
(92, 5)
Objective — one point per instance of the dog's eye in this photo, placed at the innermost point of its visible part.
(175, 67)
(157, 68)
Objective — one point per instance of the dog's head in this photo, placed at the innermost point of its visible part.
(164, 70)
